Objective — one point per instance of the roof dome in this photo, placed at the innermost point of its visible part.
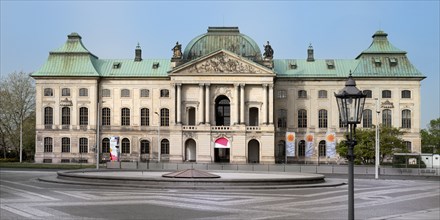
(228, 38)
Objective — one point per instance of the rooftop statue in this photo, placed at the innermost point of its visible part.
(268, 51)
(177, 51)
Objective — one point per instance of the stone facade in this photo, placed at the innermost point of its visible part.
(187, 103)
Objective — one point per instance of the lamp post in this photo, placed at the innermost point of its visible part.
(351, 102)
(158, 137)
(377, 145)
(21, 137)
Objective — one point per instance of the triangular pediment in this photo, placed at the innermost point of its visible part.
(221, 62)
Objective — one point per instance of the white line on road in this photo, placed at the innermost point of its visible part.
(30, 193)
(21, 184)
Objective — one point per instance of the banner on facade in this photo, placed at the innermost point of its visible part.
(290, 144)
(114, 148)
(222, 143)
(330, 144)
(309, 144)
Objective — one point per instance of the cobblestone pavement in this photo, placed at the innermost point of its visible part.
(23, 197)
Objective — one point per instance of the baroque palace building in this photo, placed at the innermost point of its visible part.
(219, 100)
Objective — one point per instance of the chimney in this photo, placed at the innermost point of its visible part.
(138, 53)
(310, 57)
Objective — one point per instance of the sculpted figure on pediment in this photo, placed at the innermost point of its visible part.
(223, 64)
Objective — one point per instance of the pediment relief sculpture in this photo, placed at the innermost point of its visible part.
(223, 63)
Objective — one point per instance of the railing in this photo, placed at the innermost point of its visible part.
(220, 128)
(253, 128)
(189, 127)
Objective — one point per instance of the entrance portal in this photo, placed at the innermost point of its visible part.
(221, 150)
(253, 151)
(190, 150)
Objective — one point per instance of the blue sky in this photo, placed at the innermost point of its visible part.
(336, 29)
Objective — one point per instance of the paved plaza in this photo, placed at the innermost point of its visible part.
(24, 197)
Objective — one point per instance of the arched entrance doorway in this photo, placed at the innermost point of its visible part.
(222, 111)
(253, 151)
(221, 150)
(190, 150)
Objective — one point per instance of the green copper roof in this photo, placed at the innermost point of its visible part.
(131, 68)
(381, 44)
(317, 68)
(395, 66)
(72, 45)
(228, 38)
(68, 65)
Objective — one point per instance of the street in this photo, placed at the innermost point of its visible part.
(24, 197)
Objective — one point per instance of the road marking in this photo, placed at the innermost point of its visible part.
(21, 184)
(17, 212)
(30, 193)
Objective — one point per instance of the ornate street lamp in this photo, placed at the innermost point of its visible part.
(351, 102)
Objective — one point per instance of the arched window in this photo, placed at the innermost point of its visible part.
(406, 94)
(105, 93)
(164, 117)
(282, 118)
(48, 145)
(105, 117)
(65, 92)
(164, 93)
(165, 147)
(48, 92)
(145, 147)
(408, 146)
(302, 148)
(125, 143)
(83, 116)
(65, 145)
(125, 93)
(386, 117)
(145, 93)
(48, 116)
(406, 118)
(83, 145)
(125, 117)
(368, 93)
(105, 145)
(322, 94)
(65, 116)
(386, 94)
(145, 117)
(222, 111)
(322, 118)
(83, 92)
(302, 94)
(302, 118)
(367, 118)
(321, 149)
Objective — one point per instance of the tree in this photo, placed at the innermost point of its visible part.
(17, 106)
(431, 137)
(390, 142)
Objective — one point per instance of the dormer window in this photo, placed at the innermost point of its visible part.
(377, 62)
(155, 65)
(330, 64)
(117, 65)
(293, 65)
(393, 62)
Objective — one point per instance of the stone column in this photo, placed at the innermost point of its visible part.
(264, 107)
(270, 104)
(201, 103)
(236, 109)
(179, 103)
(242, 103)
(207, 103)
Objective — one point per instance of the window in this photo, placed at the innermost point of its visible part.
(145, 117)
(165, 147)
(125, 146)
(105, 145)
(83, 145)
(65, 116)
(330, 64)
(117, 65)
(281, 94)
(105, 93)
(155, 65)
(408, 146)
(65, 92)
(145, 93)
(406, 118)
(282, 118)
(367, 118)
(393, 61)
(222, 111)
(386, 117)
(65, 145)
(321, 149)
(164, 117)
(83, 116)
(164, 93)
(48, 116)
(145, 147)
(302, 118)
(302, 148)
(105, 117)
(302, 94)
(48, 147)
(322, 118)
(322, 94)
(386, 94)
(368, 93)
(125, 117)
(377, 62)
(48, 92)
(406, 94)
(83, 92)
(253, 116)
(125, 93)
